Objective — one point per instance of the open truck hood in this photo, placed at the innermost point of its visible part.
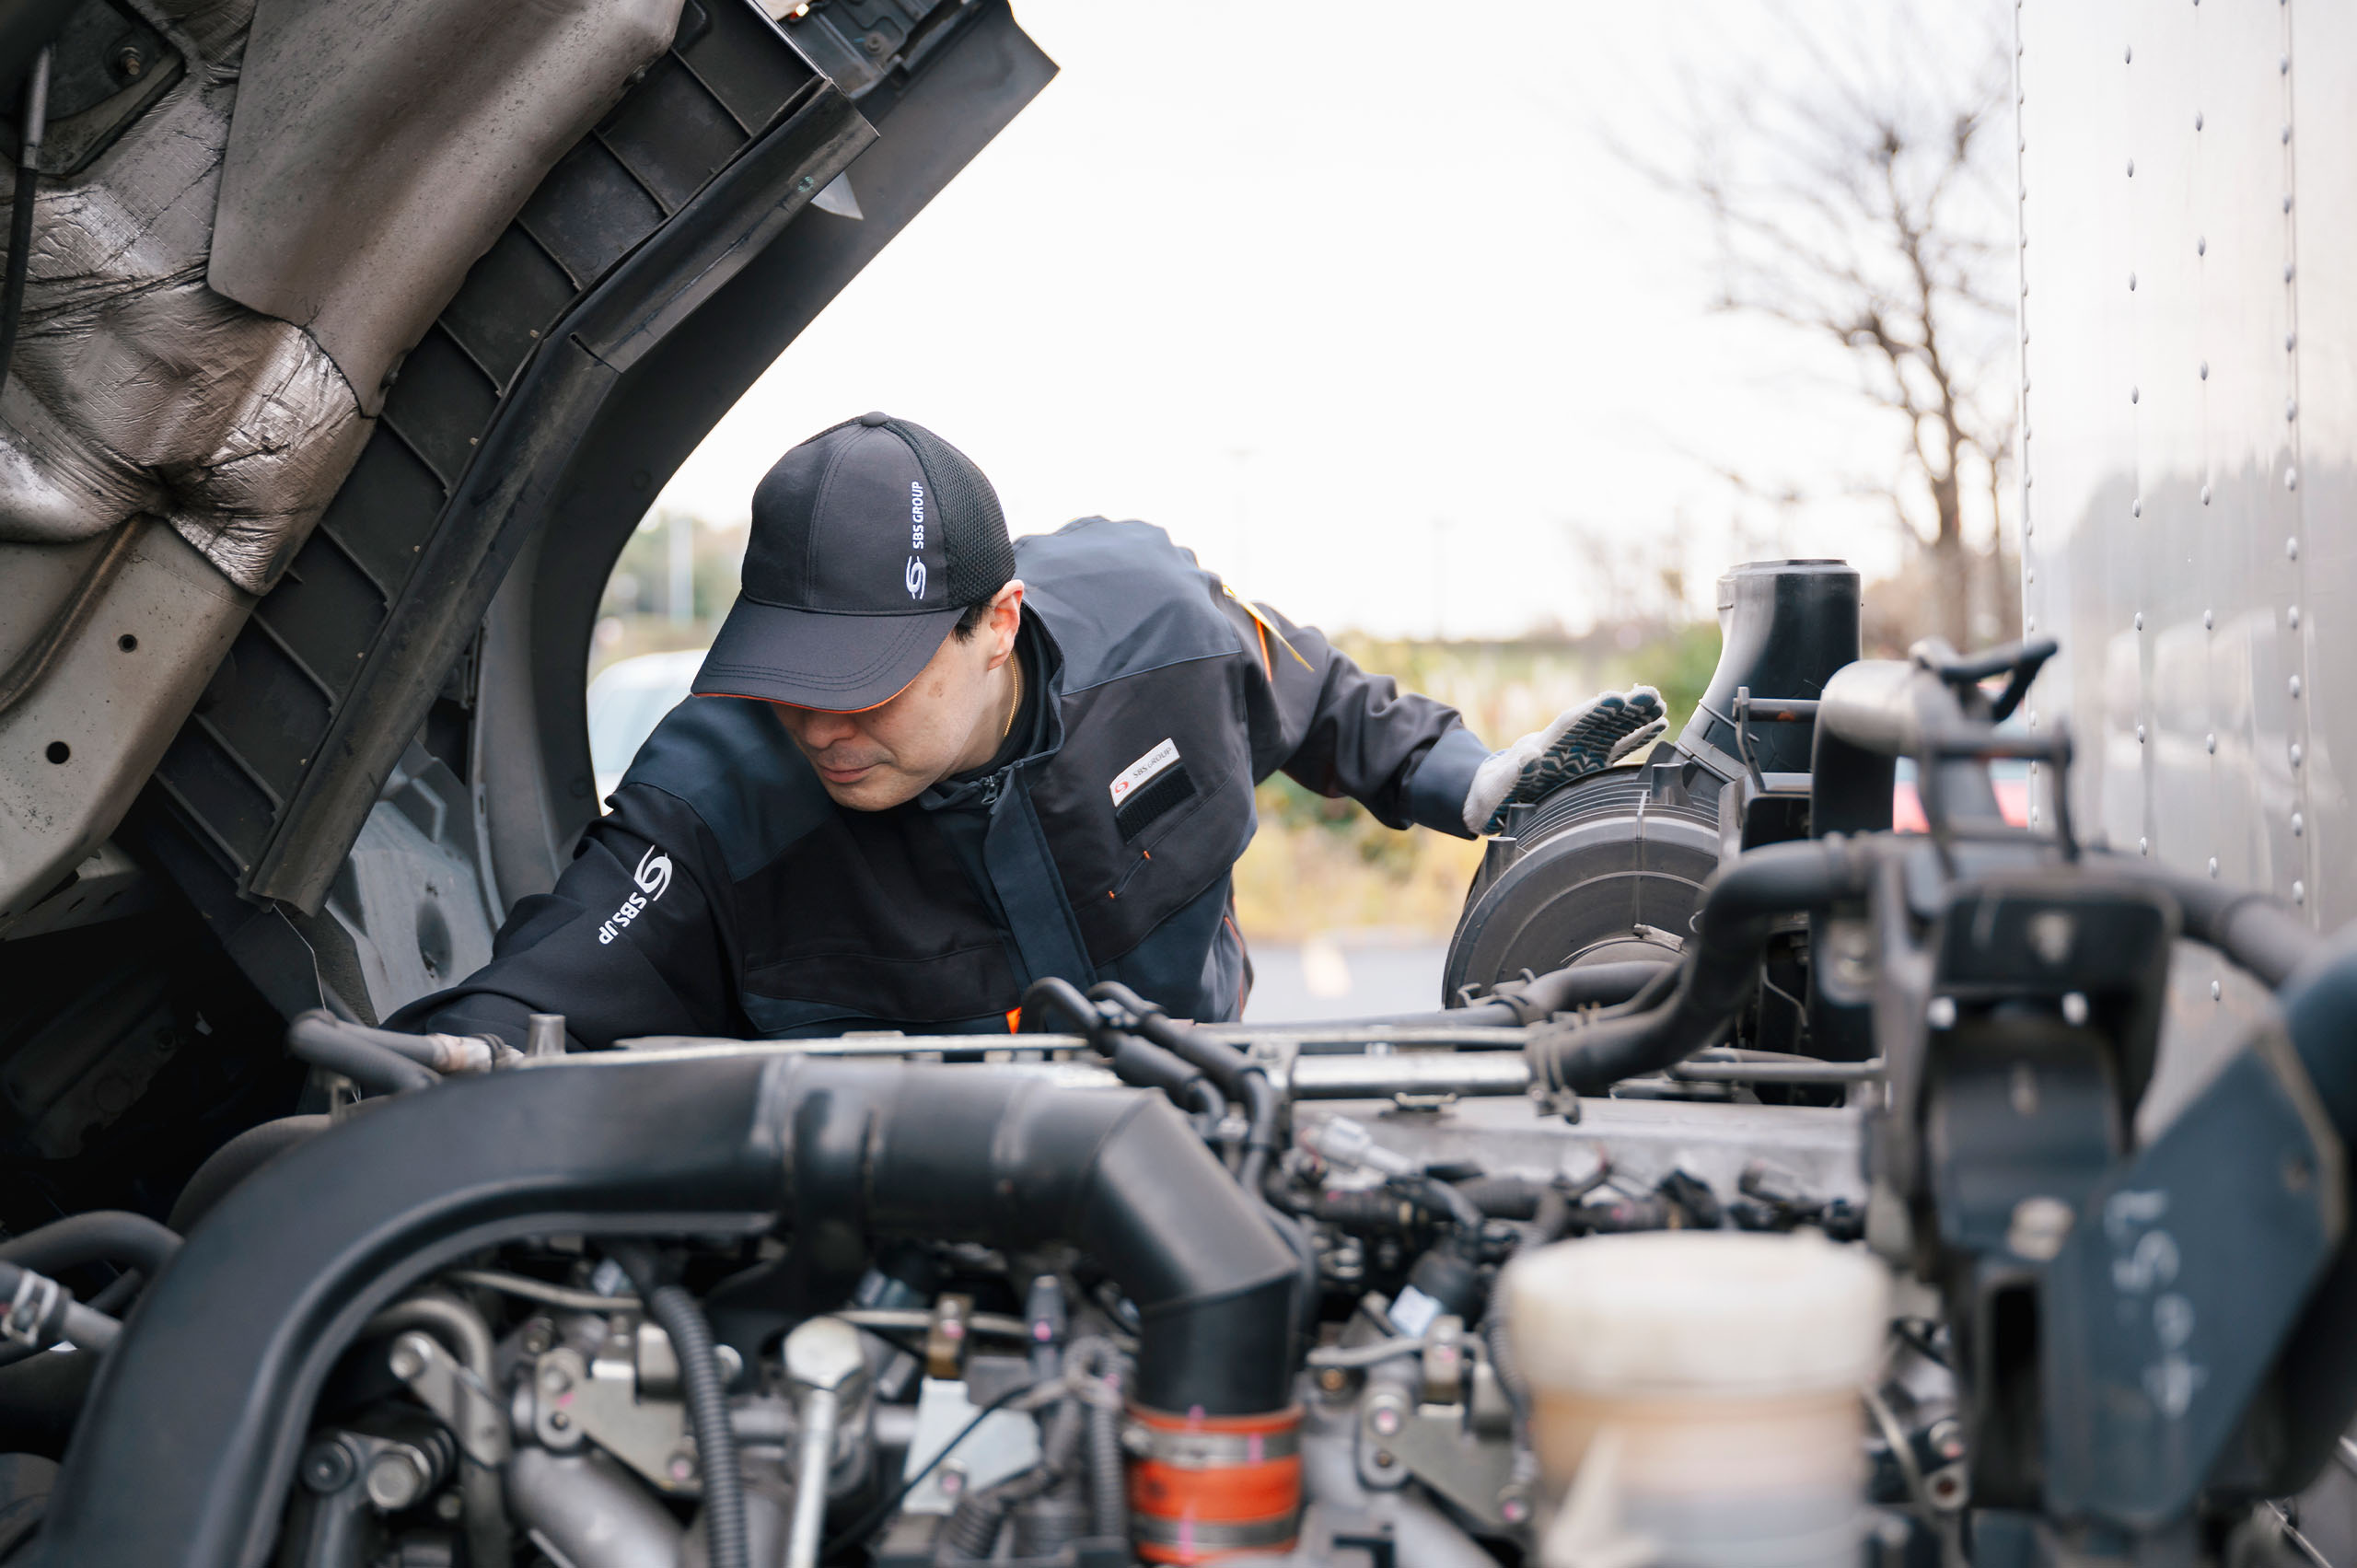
(413, 309)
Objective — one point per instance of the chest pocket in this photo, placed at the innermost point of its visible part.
(1150, 789)
(1150, 800)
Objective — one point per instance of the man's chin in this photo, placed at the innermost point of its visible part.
(877, 789)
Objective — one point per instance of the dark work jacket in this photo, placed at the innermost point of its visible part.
(726, 894)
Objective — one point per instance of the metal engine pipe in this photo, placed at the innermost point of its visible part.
(189, 1440)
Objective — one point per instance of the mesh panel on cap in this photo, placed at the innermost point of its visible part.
(973, 529)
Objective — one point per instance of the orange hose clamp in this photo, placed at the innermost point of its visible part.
(1205, 1487)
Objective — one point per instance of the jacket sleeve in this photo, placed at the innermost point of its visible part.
(1340, 731)
(634, 940)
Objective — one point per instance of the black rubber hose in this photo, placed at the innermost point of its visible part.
(1504, 1197)
(1513, 1003)
(1135, 1062)
(103, 1236)
(1740, 909)
(1221, 1063)
(941, 1154)
(1307, 1289)
(2257, 932)
(416, 1047)
(119, 1292)
(971, 1537)
(199, 1411)
(1109, 1497)
(320, 1038)
(132, 1242)
(675, 1312)
(1234, 1073)
(238, 1158)
(1237, 1075)
(1584, 985)
(1063, 998)
(1261, 1103)
(1144, 1065)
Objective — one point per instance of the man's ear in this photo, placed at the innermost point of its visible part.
(1005, 620)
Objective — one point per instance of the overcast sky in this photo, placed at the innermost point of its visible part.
(1353, 299)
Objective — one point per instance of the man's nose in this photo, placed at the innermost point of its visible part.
(822, 729)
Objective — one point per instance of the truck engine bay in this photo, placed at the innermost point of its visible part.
(1779, 1180)
(1122, 1288)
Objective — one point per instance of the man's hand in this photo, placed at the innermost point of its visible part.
(1582, 740)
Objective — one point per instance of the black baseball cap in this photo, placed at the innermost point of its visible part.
(868, 541)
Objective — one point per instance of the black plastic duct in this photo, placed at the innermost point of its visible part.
(1787, 626)
(189, 1441)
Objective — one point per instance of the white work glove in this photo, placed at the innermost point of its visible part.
(1582, 740)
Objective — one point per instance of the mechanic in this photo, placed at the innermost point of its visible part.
(926, 765)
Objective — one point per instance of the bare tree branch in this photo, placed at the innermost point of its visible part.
(1861, 200)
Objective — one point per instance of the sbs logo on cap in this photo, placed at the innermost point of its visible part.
(914, 577)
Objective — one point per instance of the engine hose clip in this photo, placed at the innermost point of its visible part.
(34, 1313)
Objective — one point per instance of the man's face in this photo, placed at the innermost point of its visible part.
(950, 718)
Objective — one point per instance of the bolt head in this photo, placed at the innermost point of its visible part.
(327, 1467)
(395, 1479)
(1384, 1460)
(1384, 1419)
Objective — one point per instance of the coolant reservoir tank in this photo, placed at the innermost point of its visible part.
(1697, 1391)
(1785, 626)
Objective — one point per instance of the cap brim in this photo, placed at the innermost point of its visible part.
(814, 659)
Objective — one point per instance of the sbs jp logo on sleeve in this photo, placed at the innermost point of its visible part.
(653, 878)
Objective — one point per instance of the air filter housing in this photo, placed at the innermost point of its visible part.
(1609, 867)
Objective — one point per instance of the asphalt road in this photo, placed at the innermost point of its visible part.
(1340, 978)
